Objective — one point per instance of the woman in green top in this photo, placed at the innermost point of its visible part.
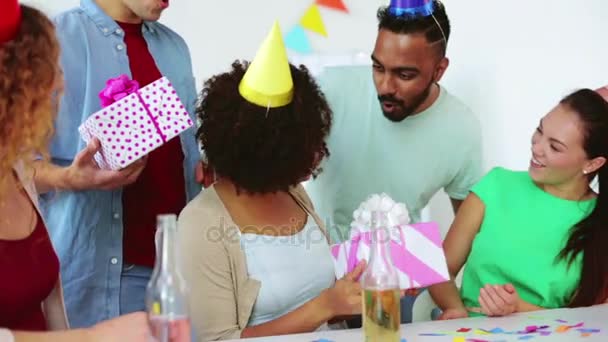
(534, 240)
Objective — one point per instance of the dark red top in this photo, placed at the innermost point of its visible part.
(29, 270)
(160, 189)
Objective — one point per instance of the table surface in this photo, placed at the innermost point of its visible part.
(564, 325)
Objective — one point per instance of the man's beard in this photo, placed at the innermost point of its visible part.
(402, 111)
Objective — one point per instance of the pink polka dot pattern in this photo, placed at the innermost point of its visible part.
(160, 120)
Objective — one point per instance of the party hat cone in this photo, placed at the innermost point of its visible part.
(10, 19)
(412, 8)
(268, 82)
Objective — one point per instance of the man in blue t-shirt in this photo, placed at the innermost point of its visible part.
(396, 130)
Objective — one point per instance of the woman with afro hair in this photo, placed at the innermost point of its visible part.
(253, 251)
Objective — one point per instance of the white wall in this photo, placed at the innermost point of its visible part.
(510, 61)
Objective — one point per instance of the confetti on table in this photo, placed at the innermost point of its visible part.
(481, 332)
(323, 340)
(403, 340)
(528, 332)
(533, 328)
(561, 321)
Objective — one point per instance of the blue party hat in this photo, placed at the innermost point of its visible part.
(411, 8)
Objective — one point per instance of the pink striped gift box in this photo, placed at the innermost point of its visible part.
(416, 252)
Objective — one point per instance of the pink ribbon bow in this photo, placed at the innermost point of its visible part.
(116, 89)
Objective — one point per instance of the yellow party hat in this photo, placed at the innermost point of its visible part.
(267, 82)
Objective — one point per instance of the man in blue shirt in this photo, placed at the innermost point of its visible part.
(102, 222)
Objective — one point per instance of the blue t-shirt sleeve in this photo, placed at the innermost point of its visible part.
(467, 175)
(470, 169)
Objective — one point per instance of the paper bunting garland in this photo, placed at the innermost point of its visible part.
(333, 4)
(312, 20)
(296, 39)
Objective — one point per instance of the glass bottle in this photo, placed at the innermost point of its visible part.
(167, 293)
(380, 285)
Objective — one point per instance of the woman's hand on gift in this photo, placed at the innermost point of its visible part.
(85, 174)
(344, 298)
(498, 300)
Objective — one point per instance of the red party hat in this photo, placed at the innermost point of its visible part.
(10, 19)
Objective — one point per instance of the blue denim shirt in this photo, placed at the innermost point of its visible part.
(86, 226)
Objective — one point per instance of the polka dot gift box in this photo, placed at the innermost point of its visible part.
(134, 121)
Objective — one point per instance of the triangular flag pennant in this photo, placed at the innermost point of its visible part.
(312, 20)
(297, 40)
(334, 4)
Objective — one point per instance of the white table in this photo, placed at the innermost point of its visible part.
(593, 318)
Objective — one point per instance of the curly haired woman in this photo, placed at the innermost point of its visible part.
(255, 254)
(31, 303)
